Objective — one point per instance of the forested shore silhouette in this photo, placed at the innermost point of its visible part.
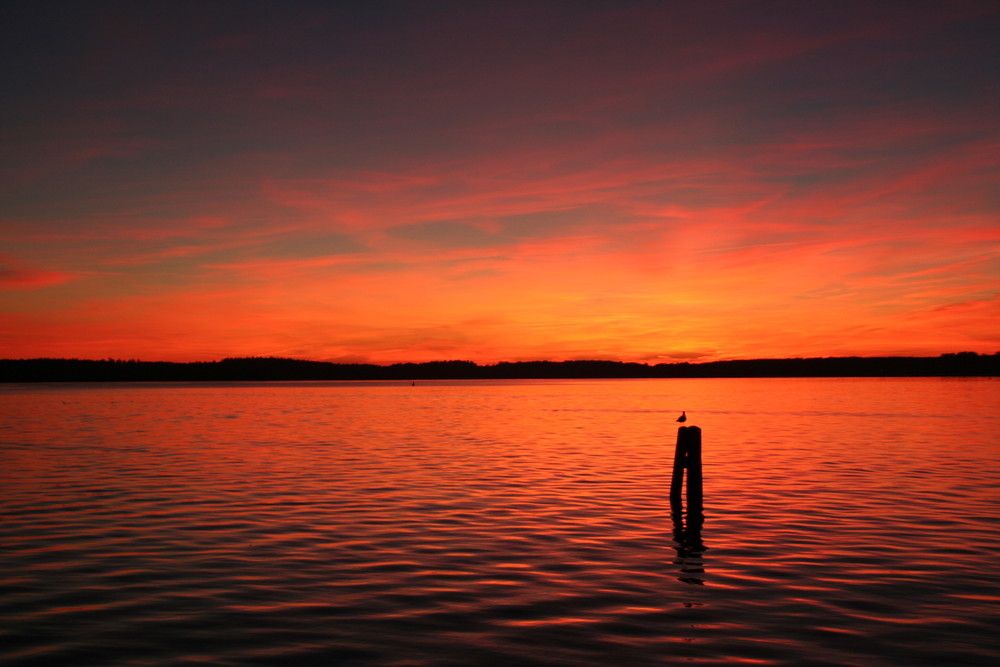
(275, 368)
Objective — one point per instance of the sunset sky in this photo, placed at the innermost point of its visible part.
(410, 181)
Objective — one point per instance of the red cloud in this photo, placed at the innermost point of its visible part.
(22, 277)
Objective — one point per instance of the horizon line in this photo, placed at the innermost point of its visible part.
(964, 354)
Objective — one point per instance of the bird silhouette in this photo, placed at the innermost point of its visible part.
(683, 417)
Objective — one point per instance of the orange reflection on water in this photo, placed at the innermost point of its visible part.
(509, 509)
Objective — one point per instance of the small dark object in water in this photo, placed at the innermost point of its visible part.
(683, 417)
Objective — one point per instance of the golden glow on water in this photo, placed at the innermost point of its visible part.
(518, 521)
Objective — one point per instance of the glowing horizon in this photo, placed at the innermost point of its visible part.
(394, 183)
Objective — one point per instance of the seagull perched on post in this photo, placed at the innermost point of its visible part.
(683, 417)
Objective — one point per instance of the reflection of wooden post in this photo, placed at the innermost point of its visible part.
(687, 455)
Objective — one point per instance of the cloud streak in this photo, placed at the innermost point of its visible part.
(491, 182)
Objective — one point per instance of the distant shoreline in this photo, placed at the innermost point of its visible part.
(961, 364)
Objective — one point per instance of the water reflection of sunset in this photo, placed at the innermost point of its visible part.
(503, 521)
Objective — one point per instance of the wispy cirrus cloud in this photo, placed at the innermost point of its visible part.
(16, 275)
(637, 181)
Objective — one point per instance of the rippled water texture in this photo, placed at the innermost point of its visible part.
(847, 522)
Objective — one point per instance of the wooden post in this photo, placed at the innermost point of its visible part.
(687, 456)
(693, 461)
(687, 529)
(677, 480)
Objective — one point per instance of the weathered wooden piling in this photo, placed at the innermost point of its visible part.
(687, 456)
(687, 525)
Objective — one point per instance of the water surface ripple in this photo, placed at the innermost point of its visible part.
(847, 522)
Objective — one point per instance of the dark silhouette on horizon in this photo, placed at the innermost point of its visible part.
(961, 364)
(683, 417)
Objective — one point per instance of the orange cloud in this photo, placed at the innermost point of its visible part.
(16, 275)
(633, 182)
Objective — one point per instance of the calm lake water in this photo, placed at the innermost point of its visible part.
(847, 522)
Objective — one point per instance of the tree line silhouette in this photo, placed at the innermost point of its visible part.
(277, 368)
